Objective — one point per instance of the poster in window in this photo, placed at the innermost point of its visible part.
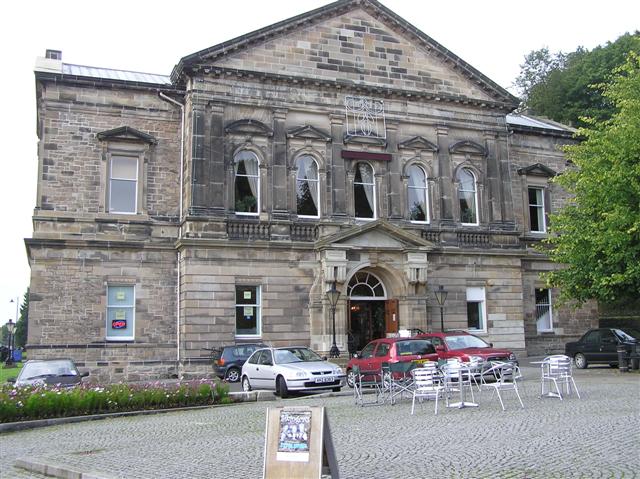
(120, 295)
(293, 437)
(247, 294)
(248, 311)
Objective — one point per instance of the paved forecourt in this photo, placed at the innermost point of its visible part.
(597, 436)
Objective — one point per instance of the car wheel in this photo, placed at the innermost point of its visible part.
(581, 361)
(246, 385)
(233, 375)
(351, 378)
(281, 387)
(336, 390)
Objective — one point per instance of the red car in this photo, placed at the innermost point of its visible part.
(467, 347)
(391, 350)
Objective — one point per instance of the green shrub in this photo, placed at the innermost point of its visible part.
(28, 403)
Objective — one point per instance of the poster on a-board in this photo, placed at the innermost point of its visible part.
(298, 444)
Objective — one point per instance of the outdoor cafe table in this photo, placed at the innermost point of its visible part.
(458, 371)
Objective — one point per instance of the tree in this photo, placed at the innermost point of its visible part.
(597, 235)
(563, 86)
(22, 323)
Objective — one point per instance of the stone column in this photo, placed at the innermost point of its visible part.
(279, 164)
(394, 187)
(336, 177)
(444, 175)
(217, 171)
(493, 190)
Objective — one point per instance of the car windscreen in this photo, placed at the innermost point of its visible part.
(414, 347)
(48, 368)
(464, 341)
(295, 355)
(629, 336)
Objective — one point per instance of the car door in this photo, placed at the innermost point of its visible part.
(365, 361)
(608, 346)
(380, 355)
(265, 375)
(591, 346)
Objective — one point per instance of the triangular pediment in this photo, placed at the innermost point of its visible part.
(379, 234)
(418, 143)
(252, 127)
(468, 147)
(126, 133)
(308, 132)
(537, 169)
(356, 41)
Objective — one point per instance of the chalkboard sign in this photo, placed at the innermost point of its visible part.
(298, 444)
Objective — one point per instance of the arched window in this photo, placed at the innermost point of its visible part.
(247, 183)
(364, 192)
(417, 195)
(365, 285)
(307, 187)
(467, 196)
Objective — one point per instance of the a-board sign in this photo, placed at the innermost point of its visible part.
(298, 444)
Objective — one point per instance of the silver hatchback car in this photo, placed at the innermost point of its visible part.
(291, 368)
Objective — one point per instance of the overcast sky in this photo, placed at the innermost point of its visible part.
(151, 36)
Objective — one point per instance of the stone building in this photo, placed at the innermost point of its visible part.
(341, 147)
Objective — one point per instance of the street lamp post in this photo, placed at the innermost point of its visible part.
(10, 326)
(441, 297)
(332, 295)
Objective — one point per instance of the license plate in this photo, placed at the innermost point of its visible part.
(421, 361)
(324, 380)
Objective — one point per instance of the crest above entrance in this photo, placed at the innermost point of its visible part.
(370, 245)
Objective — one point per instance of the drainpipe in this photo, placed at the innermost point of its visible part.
(181, 217)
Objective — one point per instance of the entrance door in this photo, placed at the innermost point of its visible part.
(366, 322)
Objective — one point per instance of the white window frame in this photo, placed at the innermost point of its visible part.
(136, 158)
(373, 185)
(478, 295)
(425, 192)
(257, 304)
(475, 196)
(235, 177)
(131, 306)
(539, 306)
(317, 184)
(539, 207)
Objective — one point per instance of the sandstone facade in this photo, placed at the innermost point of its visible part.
(202, 261)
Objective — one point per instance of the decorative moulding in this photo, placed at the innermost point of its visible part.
(308, 132)
(418, 143)
(537, 169)
(126, 133)
(468, 147)
(251, 127)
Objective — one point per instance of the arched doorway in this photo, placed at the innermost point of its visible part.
(371, 314)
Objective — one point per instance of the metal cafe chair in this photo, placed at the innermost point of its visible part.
(557, 369)
(397, 379)
(504, 375)
(370, 381)
(427, 384)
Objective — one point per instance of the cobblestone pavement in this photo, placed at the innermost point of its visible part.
(597, 436)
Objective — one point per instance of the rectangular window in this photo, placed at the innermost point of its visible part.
(544, 320)
(123, 185)
(536, 210)
(248, 311)
(121, 313)
(476, 310)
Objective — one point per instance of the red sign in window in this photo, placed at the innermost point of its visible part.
(118, 324)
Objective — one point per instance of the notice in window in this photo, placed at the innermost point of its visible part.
(121, 314)
(247, 295)
(120, 295)
(248, 311)
(293, 442)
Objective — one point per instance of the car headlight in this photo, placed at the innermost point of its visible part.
(338, 371)
(512, 357)
(477, 359)
(301, 374)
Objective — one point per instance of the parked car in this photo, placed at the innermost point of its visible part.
(49, 372)
(228, 360)
(467, 347)
(390, 350)
(600, 346)
(292, 368)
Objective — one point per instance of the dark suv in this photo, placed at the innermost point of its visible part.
(228, 360)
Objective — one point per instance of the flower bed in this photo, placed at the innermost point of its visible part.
(29, 403)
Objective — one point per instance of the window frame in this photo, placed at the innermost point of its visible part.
(477, 295)
(235, 179)
(425, 189)
(316, 181)
(257, 304)
(364, 185)
(541, 208)
(475, 195)
(539, 305)
(131, 306)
